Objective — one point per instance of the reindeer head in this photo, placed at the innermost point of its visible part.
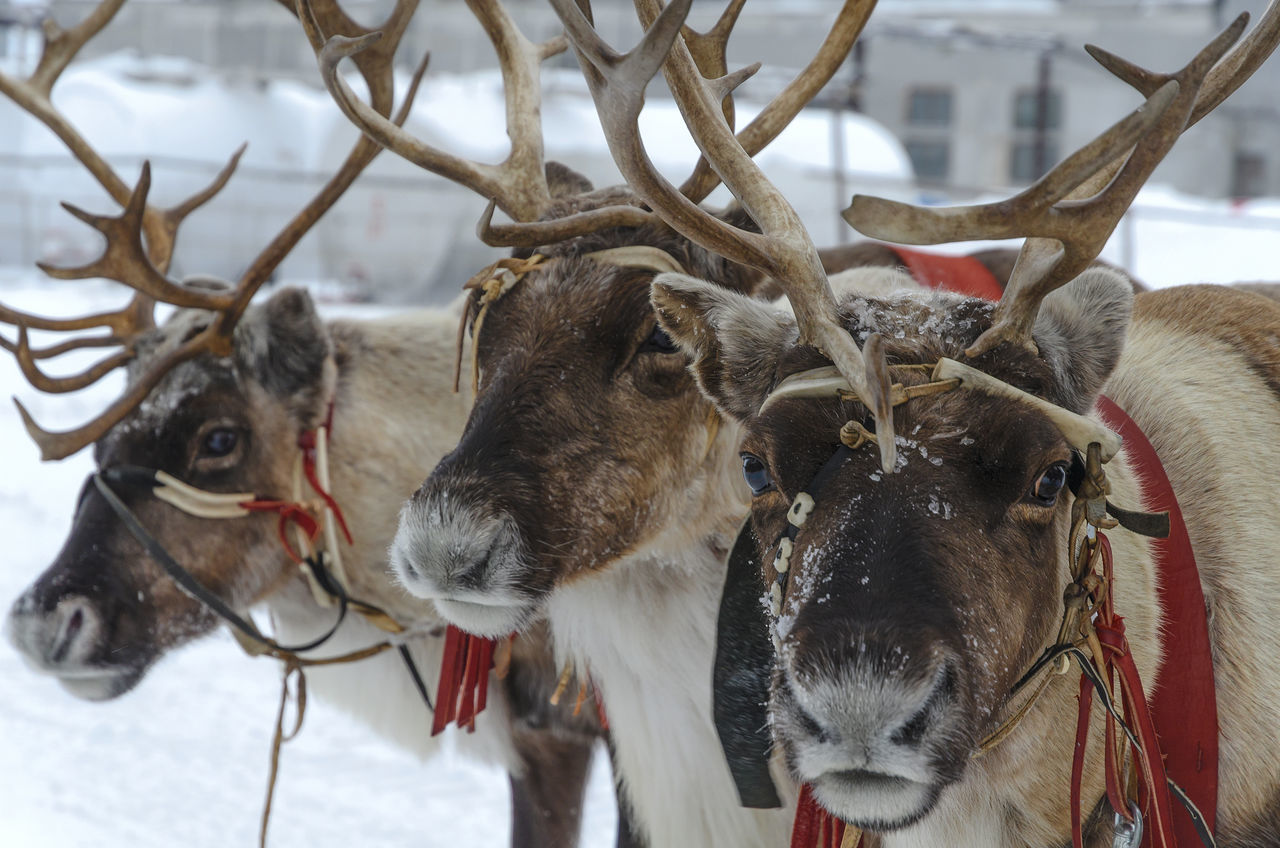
(588, 440)
(104, 611)
(915, 599)
(216, 397)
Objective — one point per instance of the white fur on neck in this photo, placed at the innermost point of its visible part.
(379, 691)
(645, 629)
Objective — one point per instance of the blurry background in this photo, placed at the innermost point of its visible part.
(942, 101)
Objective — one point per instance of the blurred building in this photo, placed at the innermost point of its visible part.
(984, 93)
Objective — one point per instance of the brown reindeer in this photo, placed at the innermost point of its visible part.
(217, 397)
(908, 588)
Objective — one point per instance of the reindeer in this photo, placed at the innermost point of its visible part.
(916, 517)
(217, 397)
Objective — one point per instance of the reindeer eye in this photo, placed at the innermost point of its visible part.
(1046, 489)
(756, 474)
(219, 442)
(658, 342)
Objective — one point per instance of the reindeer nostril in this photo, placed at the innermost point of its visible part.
(912, 733)
(69, 633)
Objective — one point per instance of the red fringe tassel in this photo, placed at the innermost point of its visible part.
(814, 827)
(464, 680)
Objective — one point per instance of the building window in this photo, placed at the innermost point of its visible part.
(1023, 167)
(930, 159)
(1026, 109)
(1034, 147)
(1248, 175)
(929, 107)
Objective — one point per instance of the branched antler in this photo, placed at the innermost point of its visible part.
(782, 249)
(517, 185)
(1070, 213)
(140, 240)
(782, 110)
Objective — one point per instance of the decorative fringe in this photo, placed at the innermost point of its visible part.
(464, 680)
(814, 827)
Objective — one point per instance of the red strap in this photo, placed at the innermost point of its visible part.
(307, 443)
(962, 274)
(290, 513)
(1184, 707)
(1077, 761)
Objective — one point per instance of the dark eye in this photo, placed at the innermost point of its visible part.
(756, 474)
(219, 442)
(1046, 489)
(659, 341)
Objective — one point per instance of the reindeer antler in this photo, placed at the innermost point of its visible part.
(1070, 213)
(782, 110)
(783, 249)
(140, 242)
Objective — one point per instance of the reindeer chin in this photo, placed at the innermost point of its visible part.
(488, 620)
(101, 684)
(875, 802)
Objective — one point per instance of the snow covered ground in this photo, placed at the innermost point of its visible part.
(182, 760)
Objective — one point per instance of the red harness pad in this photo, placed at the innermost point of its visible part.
(1184, 706)
(961, 274)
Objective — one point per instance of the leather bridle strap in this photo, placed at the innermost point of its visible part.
(187, 582)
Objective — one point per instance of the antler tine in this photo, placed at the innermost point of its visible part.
(709, 50)
(379, 76)
(1071, 212)
(518, 182)
(62, 347)
(59, 385)
(782, 110)
(125, 259)
(783, 250)
(59, 445)
(537, 233)
(1227, 75)
(34, 96)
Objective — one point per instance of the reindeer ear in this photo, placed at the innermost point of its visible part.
(563, 181)
(735, 341)
(286, 347)
(1080, 332)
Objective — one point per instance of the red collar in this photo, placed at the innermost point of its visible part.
(962, 274)
(1184, 706)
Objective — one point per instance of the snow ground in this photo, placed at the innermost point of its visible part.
(182, 760)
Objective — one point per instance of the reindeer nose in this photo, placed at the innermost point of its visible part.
(49, 640)
(872, 709)
(441, 550)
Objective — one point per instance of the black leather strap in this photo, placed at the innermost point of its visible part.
(185, 580)
(740, 677)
